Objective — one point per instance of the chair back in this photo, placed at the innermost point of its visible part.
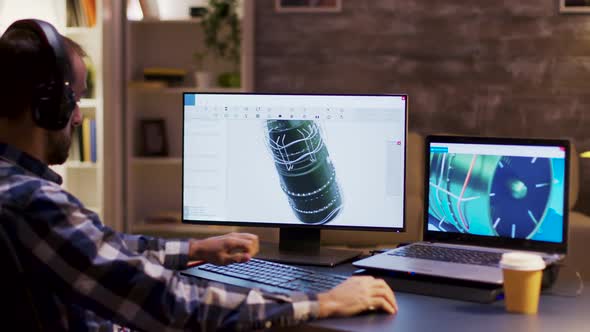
(16, 294)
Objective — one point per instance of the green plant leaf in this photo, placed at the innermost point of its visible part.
(221, 26)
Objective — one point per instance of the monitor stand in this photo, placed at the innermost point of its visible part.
(302, 246)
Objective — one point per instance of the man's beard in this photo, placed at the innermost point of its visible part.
(58, 147)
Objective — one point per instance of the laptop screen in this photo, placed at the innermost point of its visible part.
(513, 190)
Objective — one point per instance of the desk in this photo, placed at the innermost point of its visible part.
(425, 313)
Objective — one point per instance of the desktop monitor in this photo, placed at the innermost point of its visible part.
(300, 162)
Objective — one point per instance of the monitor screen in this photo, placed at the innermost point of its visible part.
(498, 190)
(300, 160)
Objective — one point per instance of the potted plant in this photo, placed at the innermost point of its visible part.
(202, 75)
(222, 30)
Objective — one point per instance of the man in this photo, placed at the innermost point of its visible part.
(91, 277)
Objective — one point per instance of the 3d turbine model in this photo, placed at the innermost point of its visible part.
(509, 195)
(307, 174)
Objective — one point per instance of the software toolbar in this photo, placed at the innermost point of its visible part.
(288, 108)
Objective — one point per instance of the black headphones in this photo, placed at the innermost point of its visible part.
(53, 101)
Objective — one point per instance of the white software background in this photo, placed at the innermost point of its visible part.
(358, 151)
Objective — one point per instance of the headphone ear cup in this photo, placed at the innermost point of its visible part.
(44, 105)
(68, 105)
(53, 112)
(53, 101)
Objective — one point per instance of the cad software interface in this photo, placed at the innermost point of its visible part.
(497, 190)
(330, 160)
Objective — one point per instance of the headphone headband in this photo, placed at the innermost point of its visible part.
(53, 101)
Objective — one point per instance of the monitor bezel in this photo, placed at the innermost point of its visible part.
(500, 242)
(271, 224)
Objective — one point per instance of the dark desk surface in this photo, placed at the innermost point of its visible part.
(425, 313)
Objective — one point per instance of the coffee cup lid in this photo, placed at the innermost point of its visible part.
(522, 261)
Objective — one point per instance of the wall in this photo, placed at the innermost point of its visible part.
(12, 10)
(470, 67)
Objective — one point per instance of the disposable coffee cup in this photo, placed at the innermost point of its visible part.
(523, 273)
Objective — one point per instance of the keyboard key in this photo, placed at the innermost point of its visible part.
(453, 255)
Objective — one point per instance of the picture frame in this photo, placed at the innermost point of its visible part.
(154, 142)
(308, 6)
(574, 6)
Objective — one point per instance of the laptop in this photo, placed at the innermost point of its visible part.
(484, 197)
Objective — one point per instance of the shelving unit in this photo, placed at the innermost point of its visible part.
(84, 179)
(166, 21)
(153, 184)
(86, 103)
(81, 165)
(180, 229)
(145, 161)
(180, 90)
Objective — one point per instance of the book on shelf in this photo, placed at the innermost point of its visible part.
(147, 84)
(93, 140)
(75, 146)
(170, 76)
(81, 13)
(84, 146)
(86, 139)
(80, 145)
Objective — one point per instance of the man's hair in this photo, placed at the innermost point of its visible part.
(74, 48)
(25, 63)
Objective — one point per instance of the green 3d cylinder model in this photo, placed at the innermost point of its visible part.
(307, 174)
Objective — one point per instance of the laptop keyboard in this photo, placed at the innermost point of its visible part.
(452, 255)
(278, 275)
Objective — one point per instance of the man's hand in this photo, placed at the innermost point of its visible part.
(355, 295)
(225, 249)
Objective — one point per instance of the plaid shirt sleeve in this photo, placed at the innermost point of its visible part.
(170, 253)
(116, 275)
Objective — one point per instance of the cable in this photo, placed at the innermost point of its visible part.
(568, 293)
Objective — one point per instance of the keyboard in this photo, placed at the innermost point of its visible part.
(266, 275)
(445, 254)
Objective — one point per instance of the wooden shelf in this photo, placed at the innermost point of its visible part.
(167, 21)
(177, 90)
(150, 99)
(81, 165)
(88, 103)
(183, 229)
(88, 108)
(140, 161)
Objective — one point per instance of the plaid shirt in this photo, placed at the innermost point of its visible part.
(88, 277)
